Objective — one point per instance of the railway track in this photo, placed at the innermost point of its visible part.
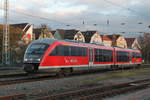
(42, 76)
(99, 92)
(13, 75)
(14, 97)
(22, 78)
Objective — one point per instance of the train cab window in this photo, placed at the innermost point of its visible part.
(37, 48)
(36, 51)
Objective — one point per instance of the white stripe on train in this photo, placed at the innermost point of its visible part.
(89, 66)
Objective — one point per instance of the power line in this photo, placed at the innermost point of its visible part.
(67, 24)
(128, 9)
(43, 18)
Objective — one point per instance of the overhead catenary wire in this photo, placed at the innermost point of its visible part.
(42, 18)
(128, 9)
(69, 24)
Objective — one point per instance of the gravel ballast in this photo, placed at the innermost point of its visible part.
(49, 87)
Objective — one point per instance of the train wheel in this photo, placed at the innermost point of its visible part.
(139, 66)
(66, 71)
(60, 73)
(114, 67)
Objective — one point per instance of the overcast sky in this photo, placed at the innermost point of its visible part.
(102, 15)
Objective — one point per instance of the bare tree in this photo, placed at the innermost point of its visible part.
(145, 46)
(45, 32)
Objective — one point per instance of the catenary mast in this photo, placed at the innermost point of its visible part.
(6, 45)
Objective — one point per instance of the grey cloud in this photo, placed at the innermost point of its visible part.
(98, 12)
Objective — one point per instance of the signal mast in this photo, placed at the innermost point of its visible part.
(6, 45)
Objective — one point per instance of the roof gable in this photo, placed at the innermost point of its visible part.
(20, 25)
(88, 35)
(106, 38)
(53, 32)
(130, 41)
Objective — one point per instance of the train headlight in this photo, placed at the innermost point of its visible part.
(25, 59)
(38, 59)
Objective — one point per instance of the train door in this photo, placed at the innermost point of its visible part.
(91, 57)
(114, 56)
(130, 57)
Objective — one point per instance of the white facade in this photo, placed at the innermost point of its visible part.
(27, 33)
(96, 38)
(135, 44)
(121, 42)
(79, 37)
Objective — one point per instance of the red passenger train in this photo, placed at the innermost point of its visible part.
(60, 55)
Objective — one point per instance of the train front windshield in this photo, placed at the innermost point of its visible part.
(35, 52)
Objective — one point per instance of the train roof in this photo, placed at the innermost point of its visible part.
(45, 40)
(50, 41)
(126, 49)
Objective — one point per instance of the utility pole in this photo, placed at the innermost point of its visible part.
(6, 45)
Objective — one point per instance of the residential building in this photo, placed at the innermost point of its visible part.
(106, 40)
(27, 31)
(92, 37)
(132, 43)
(71, 34)
(118, 40)
(42, 33)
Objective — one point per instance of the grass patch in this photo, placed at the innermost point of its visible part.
(115, 75)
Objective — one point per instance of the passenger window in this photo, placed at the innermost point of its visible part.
(54, 52)
(57, 51)
(122, 56)
(69, 51)
(103, 55)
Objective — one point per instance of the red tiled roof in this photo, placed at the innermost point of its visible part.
(114, 36)
(106, 38)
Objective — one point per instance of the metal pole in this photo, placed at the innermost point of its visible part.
(6, 46)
